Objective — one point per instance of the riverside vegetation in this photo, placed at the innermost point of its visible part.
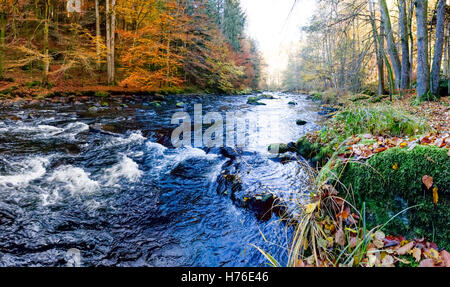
(382, 170)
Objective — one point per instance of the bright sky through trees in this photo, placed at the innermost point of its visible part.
(268, 23)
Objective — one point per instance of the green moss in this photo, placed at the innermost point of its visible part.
(387, 191)
(101, 94)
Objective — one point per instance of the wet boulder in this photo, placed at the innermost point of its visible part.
(301, 122)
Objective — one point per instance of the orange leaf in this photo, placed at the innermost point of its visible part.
(428, 181)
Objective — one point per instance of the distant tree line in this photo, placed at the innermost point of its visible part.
(390, 46)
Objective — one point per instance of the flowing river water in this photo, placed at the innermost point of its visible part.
(105, 180)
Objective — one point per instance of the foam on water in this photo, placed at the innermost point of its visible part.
(25, 172)
(73, 179)
(125, 169)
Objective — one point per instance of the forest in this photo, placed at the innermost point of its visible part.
(145, 45)
(377, 46)
(170, 133)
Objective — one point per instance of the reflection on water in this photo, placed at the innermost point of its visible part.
(106, 181)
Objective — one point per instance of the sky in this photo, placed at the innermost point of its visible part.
(269, 25)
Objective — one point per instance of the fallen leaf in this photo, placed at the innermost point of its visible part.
(388, 261)
(445, 257)
(353, 242)
(435, 195)
(428, 181)
(372, 260)
(299, 263)
(427, 263)
(339, 237)
(404, 261)
(403, 144)
(395, 166)
(417, 254)
(378, 243)
(406, 248)
(310, 208)
(379, 235)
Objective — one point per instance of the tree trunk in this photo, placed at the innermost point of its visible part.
(392, 49)
(46, 54)
(411, 41)
(423, 69)
(378, 49)
(2, 41)
(438, 47)
(108, 43)
(113, 40)
(97, 32)
(403, 23)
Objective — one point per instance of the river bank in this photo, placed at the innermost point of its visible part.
(384, 169)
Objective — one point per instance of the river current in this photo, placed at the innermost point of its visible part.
(105, 181)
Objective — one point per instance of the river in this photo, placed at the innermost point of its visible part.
(104, 180)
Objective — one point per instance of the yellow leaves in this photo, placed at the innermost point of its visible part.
(435, 195)
(395, 166)
(403, 144)
(310, 208)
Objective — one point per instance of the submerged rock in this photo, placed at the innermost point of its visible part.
(291, 103)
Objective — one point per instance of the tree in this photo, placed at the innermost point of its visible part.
(403, 23)
(392, 49)
(438, 48)
(110, 39)
(423, 70)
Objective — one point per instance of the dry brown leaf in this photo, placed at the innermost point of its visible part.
(427, 263)
(388, 261)
(379, 235)
(405, 249)
(378, 243)
(353, 242)
(417, 254)
(445, 257)
(428, 181)
(340, 237)
(299, 263)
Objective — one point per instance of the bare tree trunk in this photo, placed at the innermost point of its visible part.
(438, 47)
(2, 41)
(108, 43)
(46, 54)
(403, 23)
(423, 69)
(411, 41)
(378, 49)
(392, 49)
(113, 41)
(97, 32)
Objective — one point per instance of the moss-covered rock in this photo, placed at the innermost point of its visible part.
(386, 191)
(255, 101)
